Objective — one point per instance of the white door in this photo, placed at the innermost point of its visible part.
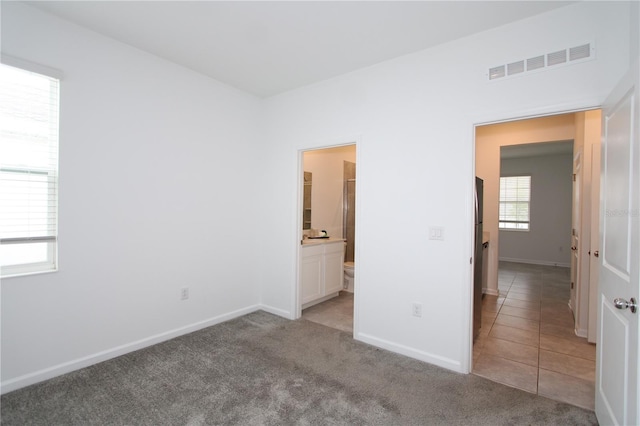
(617, 355)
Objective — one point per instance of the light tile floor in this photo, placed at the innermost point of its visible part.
(334, 313)
(527, 339)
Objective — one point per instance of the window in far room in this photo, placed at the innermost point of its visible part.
(29, 104)
(515, 197)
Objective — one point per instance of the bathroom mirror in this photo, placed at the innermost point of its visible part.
(306, 203)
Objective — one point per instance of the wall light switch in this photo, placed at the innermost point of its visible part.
(436, 233)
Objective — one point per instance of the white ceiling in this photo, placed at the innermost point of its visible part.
(267, 47)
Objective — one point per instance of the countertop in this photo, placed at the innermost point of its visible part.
(314, 241)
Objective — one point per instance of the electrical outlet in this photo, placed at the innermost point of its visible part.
(184, 293)
(416, 309)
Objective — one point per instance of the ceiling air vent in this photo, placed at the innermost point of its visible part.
(583, 52)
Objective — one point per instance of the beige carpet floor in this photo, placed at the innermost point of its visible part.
(264, 370)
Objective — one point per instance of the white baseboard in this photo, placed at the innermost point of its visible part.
(440, 361)
(491, 291)
(581, 332)
(76, 364)
(276, 311)
(535, 262)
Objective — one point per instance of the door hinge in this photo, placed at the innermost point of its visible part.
(574, 177)
(571, 285)
(471, 261)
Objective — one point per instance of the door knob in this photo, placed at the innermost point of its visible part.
(621, 303)
(596, 253)
(573, 248)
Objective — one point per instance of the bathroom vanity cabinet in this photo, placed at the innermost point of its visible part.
(321, 270)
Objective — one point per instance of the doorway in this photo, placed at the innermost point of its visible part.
(328, 245)
(528, 336)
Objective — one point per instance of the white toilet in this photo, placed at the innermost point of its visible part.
(348, 276)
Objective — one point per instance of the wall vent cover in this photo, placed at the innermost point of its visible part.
(515, 67)
(555, 58)
(581, 53)
(535, 63)
(497, 72)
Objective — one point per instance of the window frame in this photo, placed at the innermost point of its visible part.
(51, 263)
(501, 203)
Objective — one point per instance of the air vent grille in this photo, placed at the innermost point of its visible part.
(535, 63)
(515, 67)
(555, 58)
(581, 53)
(497, 72)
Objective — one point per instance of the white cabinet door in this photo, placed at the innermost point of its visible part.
(311, 277)
(333, 268)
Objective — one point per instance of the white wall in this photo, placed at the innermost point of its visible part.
(634, 33)
(157, 192)
(415, 117)
(548, 241)
(327, 166)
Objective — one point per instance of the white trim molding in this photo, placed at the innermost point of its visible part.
(430, 358)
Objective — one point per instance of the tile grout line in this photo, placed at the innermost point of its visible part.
(524, 283)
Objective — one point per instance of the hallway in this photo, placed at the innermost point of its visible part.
(527, 339)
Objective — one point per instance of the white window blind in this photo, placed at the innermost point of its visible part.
(29, 104)
(515, 199)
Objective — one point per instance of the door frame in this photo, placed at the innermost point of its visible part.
(485, 120)
(316, 146)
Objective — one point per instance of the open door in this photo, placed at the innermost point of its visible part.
(617, 356)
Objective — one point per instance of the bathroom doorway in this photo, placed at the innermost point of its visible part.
(326, 281)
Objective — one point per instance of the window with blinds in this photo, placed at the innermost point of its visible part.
(28, 171)
(515, 199)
